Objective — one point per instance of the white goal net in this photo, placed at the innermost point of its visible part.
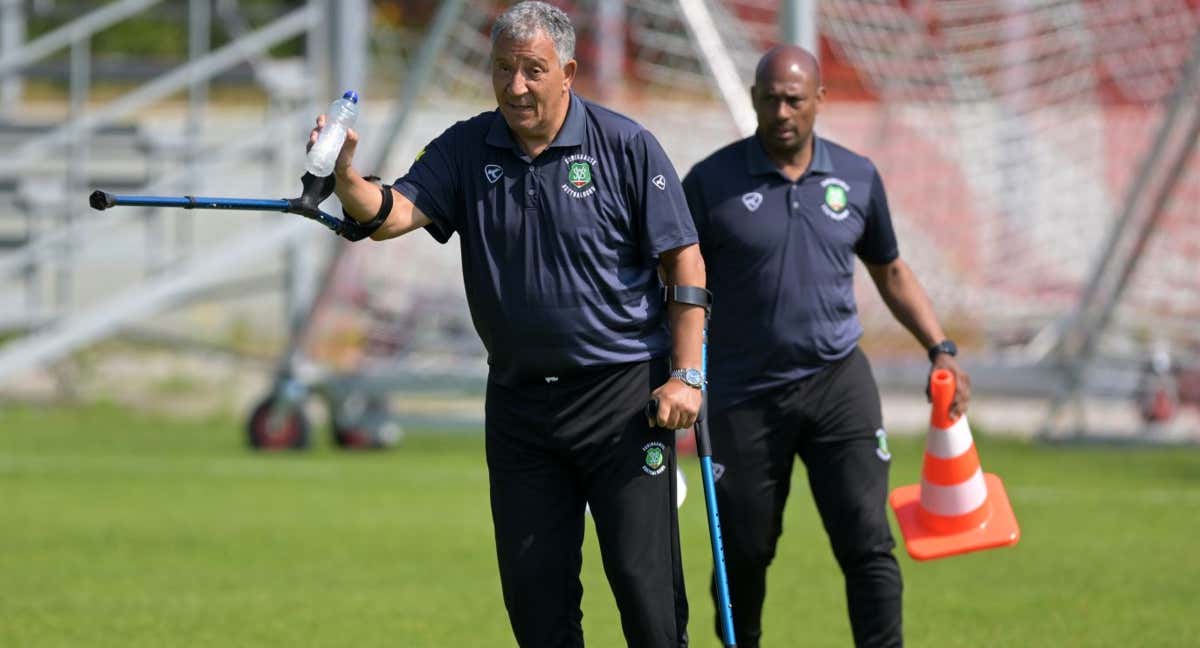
(1009, 135)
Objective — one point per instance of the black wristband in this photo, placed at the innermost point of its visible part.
(356, 231)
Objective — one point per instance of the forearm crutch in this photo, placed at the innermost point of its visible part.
(700, 297)
(315, 190)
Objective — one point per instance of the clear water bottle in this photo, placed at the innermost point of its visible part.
(339, 118)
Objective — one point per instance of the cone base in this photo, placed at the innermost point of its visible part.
(1001, 529)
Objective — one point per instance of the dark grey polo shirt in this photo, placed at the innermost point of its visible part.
(780, 259)
(559, 252)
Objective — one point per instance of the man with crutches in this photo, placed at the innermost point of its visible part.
(564, 211)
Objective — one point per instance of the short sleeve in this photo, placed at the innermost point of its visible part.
(878, 243)
(432, 185)
(657, 197)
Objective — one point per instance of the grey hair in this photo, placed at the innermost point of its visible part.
(524, 20)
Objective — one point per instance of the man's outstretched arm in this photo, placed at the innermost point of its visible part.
(361, 198)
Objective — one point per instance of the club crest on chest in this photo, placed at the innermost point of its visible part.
(582, 171)
(837, 198)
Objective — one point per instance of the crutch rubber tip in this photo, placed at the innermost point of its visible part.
(101, 200)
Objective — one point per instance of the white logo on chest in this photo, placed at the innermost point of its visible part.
(752, 200)
(659, 182)
(493, 173)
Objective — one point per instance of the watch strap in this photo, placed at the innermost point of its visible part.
(945, 346)
(681, 374)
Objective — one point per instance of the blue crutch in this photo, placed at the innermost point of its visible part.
(315, 190)
(701, 297)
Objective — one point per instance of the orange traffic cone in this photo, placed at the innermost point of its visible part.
(957, 507)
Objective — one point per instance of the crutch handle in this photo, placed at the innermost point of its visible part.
(652, 409)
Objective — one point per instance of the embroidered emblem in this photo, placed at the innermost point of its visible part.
(752, 200)
(581, 175)
(493, 173)
(655, 459)
(837, 197)
(882, 451)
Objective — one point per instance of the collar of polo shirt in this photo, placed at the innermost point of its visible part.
(757, 162)
(571, 133)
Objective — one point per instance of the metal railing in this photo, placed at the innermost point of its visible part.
(52, 158)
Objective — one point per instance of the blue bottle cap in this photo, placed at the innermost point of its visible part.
(351, 95)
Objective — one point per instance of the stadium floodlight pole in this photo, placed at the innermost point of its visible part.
(701, 297)
(307, 204)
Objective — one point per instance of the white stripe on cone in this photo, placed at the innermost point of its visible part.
(951, 442)
(958, 499)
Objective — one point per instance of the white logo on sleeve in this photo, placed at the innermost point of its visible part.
(752, 200)
(718, 470)
(659, 182)
(493, 173)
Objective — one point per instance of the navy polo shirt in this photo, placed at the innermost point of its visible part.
(559, 252)
(780, 260)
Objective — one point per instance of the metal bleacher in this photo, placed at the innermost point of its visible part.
(74, 275)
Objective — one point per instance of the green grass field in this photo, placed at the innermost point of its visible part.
(121, 529)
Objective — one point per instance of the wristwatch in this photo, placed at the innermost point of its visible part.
(945, 346)
(690, 377)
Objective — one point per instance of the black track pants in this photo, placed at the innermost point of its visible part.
(556, 445)
(831, 421)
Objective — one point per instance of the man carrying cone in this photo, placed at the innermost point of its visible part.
(781, 216)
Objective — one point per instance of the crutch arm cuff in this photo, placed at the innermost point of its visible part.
(356, 231)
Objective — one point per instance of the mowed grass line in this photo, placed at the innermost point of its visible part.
(122, 529)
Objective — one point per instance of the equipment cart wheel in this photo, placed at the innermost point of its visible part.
(277, 425)
(360, 422)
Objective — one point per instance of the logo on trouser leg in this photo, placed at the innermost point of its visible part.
(717, 470)
(655, 459)
(882, 450)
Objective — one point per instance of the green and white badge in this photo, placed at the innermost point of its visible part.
(654, 459)
(581, 172)
(837, 198)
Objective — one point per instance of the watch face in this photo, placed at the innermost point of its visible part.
(693, 377)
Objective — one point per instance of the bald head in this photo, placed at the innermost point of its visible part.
(787, 96)
(784, 63)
